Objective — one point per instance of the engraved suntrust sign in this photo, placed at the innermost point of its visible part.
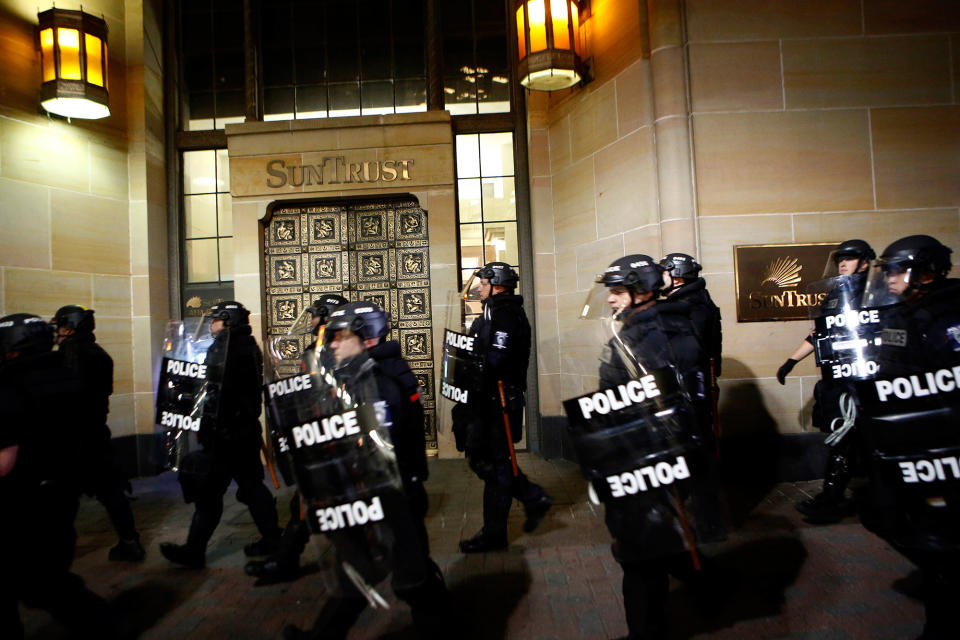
(773, 280)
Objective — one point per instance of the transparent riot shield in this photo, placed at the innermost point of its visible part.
(461, 366)
(336, 432)
(907, 424)
(845, 336)
(188, 390)
(645, 451)
(290, 354)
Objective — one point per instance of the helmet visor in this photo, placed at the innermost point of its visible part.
(888, 282)
(303, 324)
(470, 295)
(842, 263)
(605, 301)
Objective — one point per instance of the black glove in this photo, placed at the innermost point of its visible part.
(785, 370)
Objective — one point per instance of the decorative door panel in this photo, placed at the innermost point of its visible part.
(375, 251)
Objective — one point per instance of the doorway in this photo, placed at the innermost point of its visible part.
(371, 249)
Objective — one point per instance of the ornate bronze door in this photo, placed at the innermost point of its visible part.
(375, 250)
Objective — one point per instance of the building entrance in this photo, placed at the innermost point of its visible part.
(372, 249)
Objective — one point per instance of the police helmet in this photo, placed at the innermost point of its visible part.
(853, 249)
(231, 312)
(681, 265)
(74, 317)
(637, 272)
(365, 319)
(324, 305)
(500, 274)
(26, 333)
(923, 253)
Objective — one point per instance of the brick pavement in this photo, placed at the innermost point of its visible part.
(789, 579)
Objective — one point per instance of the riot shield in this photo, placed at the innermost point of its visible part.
(288, 361)
(845, 337)
(461, 367)
(644, 452)
(336, 432)
(188, 389)
(911, 447)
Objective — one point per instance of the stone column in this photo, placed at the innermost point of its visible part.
(148, 209)
(672, 127)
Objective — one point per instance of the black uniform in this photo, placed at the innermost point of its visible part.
(230, 434)
(920, 336)
(656, 337)
(419, 582)
(830, 505)
(285, 563)
(104, 479)
(503, 337)
(42, 411)
(705, 319)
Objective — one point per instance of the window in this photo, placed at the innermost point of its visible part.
(476, 71)
(486, 201)
(208, 219)
(213, 63)
(335, 58)
(330, 58)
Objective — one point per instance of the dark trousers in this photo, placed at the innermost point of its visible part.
(646, 586)
(295, 536)
(428, 598)
(107, 483)
(940, 591)
(838, 472)
(37, 571)
(118, 509)
(500, 488)
(245, 468)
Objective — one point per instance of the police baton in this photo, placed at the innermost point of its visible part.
(685, 530)
(267, 457)
(506, 425)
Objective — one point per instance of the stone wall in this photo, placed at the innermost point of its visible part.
(77, 226)
(741, 122)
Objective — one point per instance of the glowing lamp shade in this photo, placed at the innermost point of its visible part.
(548, 43)
(73, 64)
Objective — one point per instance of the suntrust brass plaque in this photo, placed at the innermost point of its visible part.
(777, 281)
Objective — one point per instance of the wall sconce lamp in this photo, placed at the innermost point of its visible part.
(73, 64)
(550, 43)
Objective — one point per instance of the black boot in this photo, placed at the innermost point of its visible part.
(183, 554)
(273, 570)
(831, 504)
(826, 508)
(127, 551)
(536, 512)
(264, 546)
(483, 542)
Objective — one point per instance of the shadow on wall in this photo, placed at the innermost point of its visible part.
(754, 454)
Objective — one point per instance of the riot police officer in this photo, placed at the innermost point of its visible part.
(686, 285)
(851, 259)
(43, 408)
(285, 563)
(356, 338)
(653, 334)
(502, 335)
(230, 434)
(74, 336)
(914, 427)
